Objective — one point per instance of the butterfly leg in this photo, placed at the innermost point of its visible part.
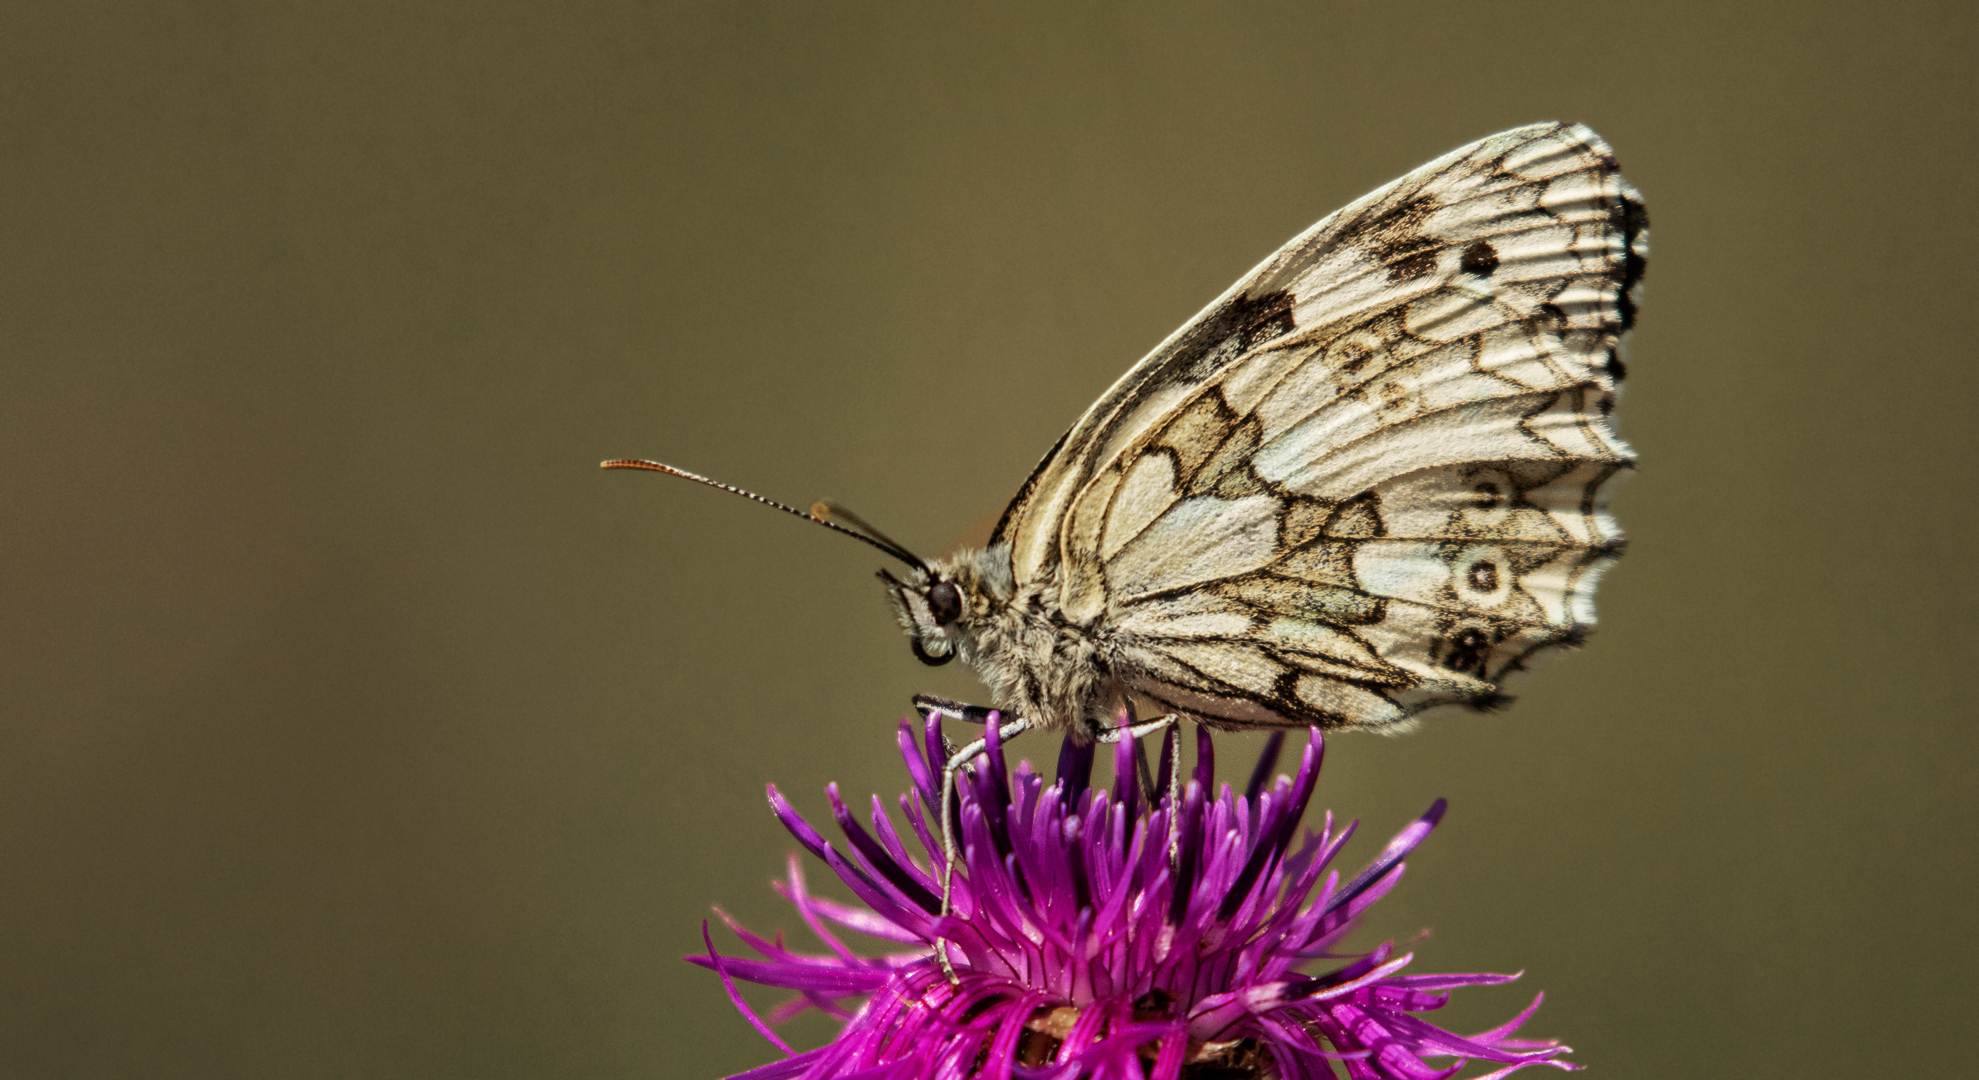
(1172, 768)
(929, 705)
(957, 761)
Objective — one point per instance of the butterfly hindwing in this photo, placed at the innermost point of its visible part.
(1370, 479)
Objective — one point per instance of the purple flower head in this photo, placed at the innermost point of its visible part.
(1079, 951)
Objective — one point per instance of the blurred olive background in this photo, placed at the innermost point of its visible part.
(355, 725)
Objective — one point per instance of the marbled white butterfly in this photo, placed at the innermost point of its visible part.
(1368, 480)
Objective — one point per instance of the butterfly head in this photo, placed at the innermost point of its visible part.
(929, 606)
(944, 605)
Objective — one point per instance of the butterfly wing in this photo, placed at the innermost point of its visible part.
(1369, 479)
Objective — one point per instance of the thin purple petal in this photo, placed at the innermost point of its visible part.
(714, 960)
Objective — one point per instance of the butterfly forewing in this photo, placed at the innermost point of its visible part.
(1370, 479)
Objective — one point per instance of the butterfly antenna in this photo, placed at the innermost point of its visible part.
(820, 513)
(830, 512)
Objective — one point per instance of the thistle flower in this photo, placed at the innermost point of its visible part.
(1079, 951)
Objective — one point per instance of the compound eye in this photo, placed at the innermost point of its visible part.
(945, 603)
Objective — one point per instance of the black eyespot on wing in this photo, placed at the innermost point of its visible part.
(1467, 651)
(945, 603)
(1479, 258)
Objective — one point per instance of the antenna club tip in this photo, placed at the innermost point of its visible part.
(821, 511)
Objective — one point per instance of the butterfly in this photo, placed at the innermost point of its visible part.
(1368, 480)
